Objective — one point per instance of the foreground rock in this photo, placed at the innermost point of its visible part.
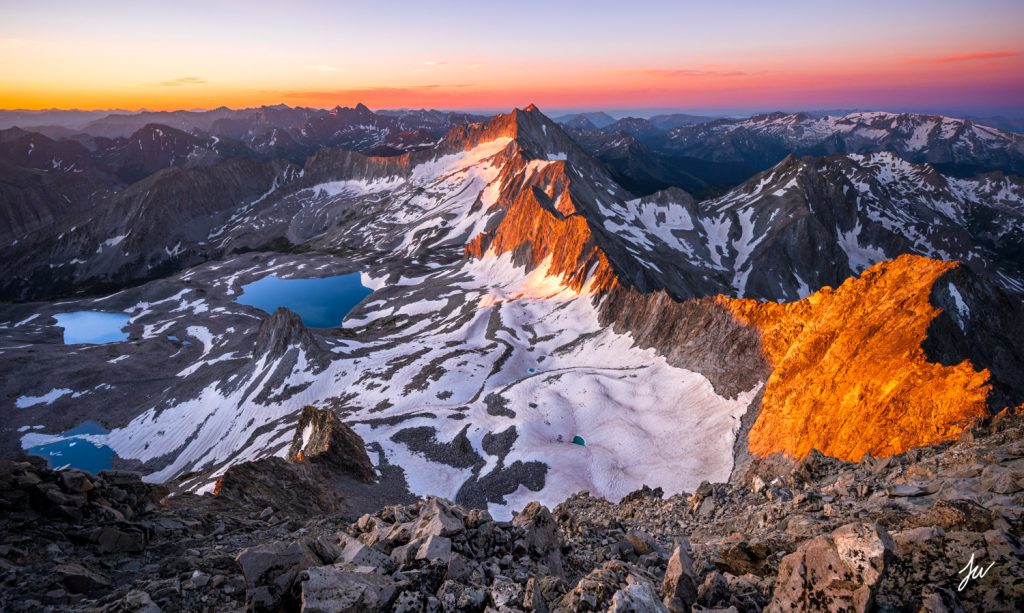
(327, 471)
(838, 572)
(886, 534)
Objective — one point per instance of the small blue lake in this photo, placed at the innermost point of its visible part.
(77, 452)
(92, 327)
(321, 303)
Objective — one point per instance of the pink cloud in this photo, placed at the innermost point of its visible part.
(968, 57)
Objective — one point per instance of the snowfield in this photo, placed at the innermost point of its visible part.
(505, 352)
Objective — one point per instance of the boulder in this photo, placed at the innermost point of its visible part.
(336, 589)
(539, 591)
(679, 588)
(457, 597)
(714, 591)
(540, 534)
(75, 482)
(837, 572)
(356, 552)
(506, 593)
(636, 598)
(404, 554)
(271, 570)
(435, 548)
(935, 599)
(594, 592)
(78, 579)
(642, 542)
(437, 519)
(116, 540)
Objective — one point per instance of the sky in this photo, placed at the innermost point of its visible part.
(723, 56)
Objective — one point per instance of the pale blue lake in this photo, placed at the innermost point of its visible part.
(321, 303)
(92, 327)
(75, 451)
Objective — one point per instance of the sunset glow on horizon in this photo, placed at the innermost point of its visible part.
(460, 55)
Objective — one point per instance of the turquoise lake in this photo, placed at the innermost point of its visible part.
(75, 451)
(92, 327)
(321, 303)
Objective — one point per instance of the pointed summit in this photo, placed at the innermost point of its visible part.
(536, 135)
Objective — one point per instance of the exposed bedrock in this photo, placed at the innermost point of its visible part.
(324, 440)
(700, 335)
(544, 219)
(327, 470)
(283, 332)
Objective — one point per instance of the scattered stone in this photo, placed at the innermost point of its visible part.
(117, 547)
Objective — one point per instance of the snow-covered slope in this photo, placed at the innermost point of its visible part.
(478, 393)
(808, 223)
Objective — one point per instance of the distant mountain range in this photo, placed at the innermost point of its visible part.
(703, 155)
(707, 156)
(54, 183)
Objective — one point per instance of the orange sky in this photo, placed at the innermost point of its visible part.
(596, 55)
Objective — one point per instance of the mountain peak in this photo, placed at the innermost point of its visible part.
(534, 132)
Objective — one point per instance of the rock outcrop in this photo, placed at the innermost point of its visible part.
(327, 471)
(701, 335)
(284, 345)
(324, 440)
(284, 332)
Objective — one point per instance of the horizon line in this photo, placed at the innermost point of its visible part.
(567, 110)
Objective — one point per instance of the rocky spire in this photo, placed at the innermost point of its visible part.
(283, 331)
(322, 439)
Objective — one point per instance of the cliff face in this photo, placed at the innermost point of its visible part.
(874, 366)
(701, 335)
(542, 221)
(849, 375)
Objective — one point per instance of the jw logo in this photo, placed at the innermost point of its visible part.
(973, 572)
